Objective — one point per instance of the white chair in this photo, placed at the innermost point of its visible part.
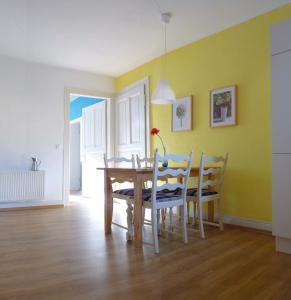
(147, 162)
(210, 183)
(158, 200)
(123, 194)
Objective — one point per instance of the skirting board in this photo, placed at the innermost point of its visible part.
(283, 245)
(29, 204)
(261, 225)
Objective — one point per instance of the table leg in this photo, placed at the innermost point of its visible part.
(108, 203)
(138, 211)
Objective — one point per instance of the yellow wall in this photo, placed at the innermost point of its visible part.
(240, 56)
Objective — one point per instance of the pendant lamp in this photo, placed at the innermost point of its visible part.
(164, 94)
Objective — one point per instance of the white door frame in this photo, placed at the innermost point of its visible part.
(66, 148)
(145, 82)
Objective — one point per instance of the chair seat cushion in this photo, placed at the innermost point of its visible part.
(205, 192)
(161, 197)
(164, 195)
(125, 192)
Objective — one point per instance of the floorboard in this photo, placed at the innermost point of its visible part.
(62, 253)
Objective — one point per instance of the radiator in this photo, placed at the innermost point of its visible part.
(22, 185)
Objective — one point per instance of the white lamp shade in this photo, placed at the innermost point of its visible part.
(163, 94)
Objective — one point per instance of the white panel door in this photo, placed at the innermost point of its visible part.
(281, 195)
(94, 128)
(281, 102)
(130, 123)
(94, 139)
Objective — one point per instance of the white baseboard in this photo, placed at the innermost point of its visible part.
(283, 245)
(261, 225)
(27, 204)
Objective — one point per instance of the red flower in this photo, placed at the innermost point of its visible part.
(155, 131)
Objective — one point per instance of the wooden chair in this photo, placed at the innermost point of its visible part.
(158, 200)
(123, 194)
(210, 183)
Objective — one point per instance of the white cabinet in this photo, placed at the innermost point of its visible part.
(281, 102)
(281, 194)
(280, 37)
(281, 134)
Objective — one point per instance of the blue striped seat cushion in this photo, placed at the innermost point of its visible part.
(125, 192)
(192, 192)
(164, 195)
(205, 192)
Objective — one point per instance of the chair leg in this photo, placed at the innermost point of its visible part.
(200, 212)
(188, 212)
(129, 233)
(171, 228)
(184, 222)
(219, 215)
(143, 215)
(194, 213)
(164, 213)
(158, 221)
(155, 230)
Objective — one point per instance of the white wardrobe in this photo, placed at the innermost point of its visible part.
(280, 38)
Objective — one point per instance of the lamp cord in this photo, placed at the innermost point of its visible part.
(165, 51)
(165, 40)
(158, 6)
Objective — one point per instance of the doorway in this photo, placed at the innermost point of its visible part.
(86, 140)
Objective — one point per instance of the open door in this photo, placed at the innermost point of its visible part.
(131, 126)
(93, 146)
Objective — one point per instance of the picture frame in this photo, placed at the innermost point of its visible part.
(223, 107)
(182, 114)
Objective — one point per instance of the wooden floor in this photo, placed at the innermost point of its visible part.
(62, 253)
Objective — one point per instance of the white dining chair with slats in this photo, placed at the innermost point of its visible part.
(145, 162)
(210, 184)
(158, 200)
(148, 162)
(125, 193)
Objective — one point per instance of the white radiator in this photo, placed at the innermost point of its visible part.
(22, 185)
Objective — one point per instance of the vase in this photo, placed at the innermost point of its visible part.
(165, 164)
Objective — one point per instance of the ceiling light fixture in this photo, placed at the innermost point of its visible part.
(164, 94)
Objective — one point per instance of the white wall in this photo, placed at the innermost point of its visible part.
(32, 116)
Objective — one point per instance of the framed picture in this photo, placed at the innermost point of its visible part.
(223, 107)
(182, 114)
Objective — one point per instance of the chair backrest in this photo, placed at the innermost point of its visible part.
(211, 176)
(119, 183)
(119, 160)
(144, 162)
(180, 175)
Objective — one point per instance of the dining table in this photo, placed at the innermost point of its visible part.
(137, 176)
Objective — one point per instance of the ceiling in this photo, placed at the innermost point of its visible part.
(112, 36)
